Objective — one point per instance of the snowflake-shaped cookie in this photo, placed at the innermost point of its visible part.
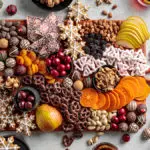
(8, 118)
(78, 11)
(70, 32)
(75, 49)
(8, 144)
(26, 124)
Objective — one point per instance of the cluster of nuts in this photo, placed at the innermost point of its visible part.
(99, 2)
(12, 83)
(107, 28)
(100, 120)
(106, 79)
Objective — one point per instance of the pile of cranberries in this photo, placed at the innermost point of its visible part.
(25, 100)
(59, 64)
(121, 117)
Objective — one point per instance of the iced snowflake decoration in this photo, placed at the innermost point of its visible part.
(70, 32)
(8, 118)
(78, 11)
(8, 144)
(26, 124)
(75, 49)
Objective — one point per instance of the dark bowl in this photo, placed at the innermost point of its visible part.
(105, 146)
(94, 80)
(58, 7)
(23, 146)
(35, 94)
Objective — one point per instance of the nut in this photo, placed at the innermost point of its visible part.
(114, 6)
(104, 12)
(90, 128)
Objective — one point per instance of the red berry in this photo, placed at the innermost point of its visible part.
(56, 61)
(22, 95)
(63, 73)
(28, 105)
(54, 73)
(67, 67)
(115, 119)
(126, 137)
(48, 62)
(67, 59)
(22, 104)
(122, 118)
(60, 54)
(114, 126)
(122, 111)
(30, 98)
(61, 67)
(11, 10)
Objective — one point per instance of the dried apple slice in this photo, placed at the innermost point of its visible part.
(125, 43)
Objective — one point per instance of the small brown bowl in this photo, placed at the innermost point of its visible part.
(35, 94)
(105, 146)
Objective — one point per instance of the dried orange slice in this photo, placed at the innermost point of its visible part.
(113, 101)
(89, 97)
(107, 104)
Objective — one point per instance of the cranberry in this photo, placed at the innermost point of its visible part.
(11, 10)
(22, 104)
(126, 137)
(48, 62)
(60, 54)
(114, 126)
(67, 67)
(122, 111)
(56, 61)
(61, 67)
(54, 73)
(122, 118)
(30, 98)
(115, 119)
(67, 59)
(28, 105)
(63, 73)
(22, 95)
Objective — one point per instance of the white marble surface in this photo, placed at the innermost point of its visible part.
(52, 141)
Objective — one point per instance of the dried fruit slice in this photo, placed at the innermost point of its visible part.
(89, 97)
(117, 99)
(113, 101)
(101, 101)
(122, 98)
(107, 104)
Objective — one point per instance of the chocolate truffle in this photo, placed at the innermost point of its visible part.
(10, 62)
(2, 66)
(123, 127)
(22, 30)
(133, 128)
(13, 33)
(8, 24)
(141, 120)
(9, 72)
(146, 133)
(67, 83)
(3, 43)
(14, 41)
(24, 44)
(3, 55)
(87, 82)
(131, 116)
(13, 51)
(141, 108)
(78, 85)
(76, 75)
(132, 106)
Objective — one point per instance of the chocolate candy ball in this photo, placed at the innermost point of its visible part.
(76, 75)
(131, 116)
(146, 133)
(2, 66)
(133, 128)
(3, 55)
(9, 72)
(67, 83)
(3, 43)
(78, 85)
(141, 109)
(87, 82)
(14, 41)
(10, 62)
(24, 44)
(132, 106)
(141, 120)
(13, 51)
(123, 127)
(20, 70)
